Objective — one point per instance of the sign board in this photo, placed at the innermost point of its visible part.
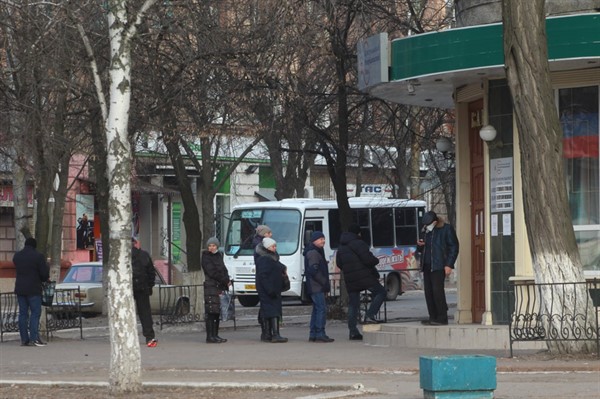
(501, 185)
(373, 60)
(370, 190)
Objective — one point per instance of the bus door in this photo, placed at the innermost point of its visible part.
(309, 227)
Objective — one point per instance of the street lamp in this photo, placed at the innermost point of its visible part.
(444, 145)
(488, 134)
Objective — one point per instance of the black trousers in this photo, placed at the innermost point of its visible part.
(142, 304)
(435, 296)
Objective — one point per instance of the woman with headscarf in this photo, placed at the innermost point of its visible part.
(216, 279)
(269, 285)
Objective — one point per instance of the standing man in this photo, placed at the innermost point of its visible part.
(439, 251)
(317, 285)
(357, 263)
(143, 275)
(32, 270)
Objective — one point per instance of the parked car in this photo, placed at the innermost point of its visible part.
(87, 277)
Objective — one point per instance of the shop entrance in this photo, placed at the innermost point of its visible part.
(477, 212)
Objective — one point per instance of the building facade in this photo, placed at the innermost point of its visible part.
(463, 69)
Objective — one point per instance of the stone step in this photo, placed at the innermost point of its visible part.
(452, 336)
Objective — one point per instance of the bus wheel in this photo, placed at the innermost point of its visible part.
(393, 287)
(248, 301)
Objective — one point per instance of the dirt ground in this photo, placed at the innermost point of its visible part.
(79, 392)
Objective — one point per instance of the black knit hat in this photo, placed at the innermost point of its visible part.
(316, 235)
(428, 218)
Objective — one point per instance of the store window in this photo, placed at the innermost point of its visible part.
(579, 116)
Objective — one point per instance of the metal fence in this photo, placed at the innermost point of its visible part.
(533, 320)
(365, 296)
(65, 313)
(180, 304)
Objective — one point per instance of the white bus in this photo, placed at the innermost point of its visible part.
(390, 226)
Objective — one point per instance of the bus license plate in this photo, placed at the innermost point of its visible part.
(250, 286)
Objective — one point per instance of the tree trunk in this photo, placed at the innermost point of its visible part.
(191, 217)
(20, 201)
(551, 238)
(125, 363)
(60, 196)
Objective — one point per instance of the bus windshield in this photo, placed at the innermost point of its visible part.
(285, 224)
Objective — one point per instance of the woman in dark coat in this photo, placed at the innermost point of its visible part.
(269, 285)
(216, 279)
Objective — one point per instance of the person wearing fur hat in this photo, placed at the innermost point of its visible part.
(439, 250)
(317, 285)
(262, 231)
(216, 279)
(269, 286)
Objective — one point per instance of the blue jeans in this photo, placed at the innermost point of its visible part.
(379, 295)
(29, 323)
(318, 316)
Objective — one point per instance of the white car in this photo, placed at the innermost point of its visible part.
(87, 277)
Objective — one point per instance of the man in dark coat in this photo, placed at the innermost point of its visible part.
(32, 269)
(269, 285)
(357, 263)
(317, 285)
(216, 280)
(439, 251)
(143, 276)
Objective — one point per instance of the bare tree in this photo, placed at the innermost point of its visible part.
(125, 361)
(554, 248)
(40, 89)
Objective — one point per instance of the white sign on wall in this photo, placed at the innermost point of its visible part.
(373, 60)
(501, 185)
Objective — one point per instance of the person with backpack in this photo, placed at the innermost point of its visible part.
(143, 276)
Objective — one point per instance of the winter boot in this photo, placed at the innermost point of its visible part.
(265, 334)
(216, 334)
(210, 335)
(276, 338)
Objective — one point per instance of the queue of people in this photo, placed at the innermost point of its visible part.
(438, 249)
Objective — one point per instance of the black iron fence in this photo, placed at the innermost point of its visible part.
(533, 320)
(181, 304)
(365, 296)
(65, 313)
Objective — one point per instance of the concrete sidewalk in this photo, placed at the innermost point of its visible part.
(183, 358)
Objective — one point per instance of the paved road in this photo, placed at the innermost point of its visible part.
(182, 357)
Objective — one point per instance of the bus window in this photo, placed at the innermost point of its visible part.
(285, 224)
(309, 227)
(406, 226)
(359, 216)
(335, 228)
(382, 220)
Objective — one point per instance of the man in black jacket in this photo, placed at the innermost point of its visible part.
(439, 251)
(32, 270)
(357, 263)
(143, 275)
